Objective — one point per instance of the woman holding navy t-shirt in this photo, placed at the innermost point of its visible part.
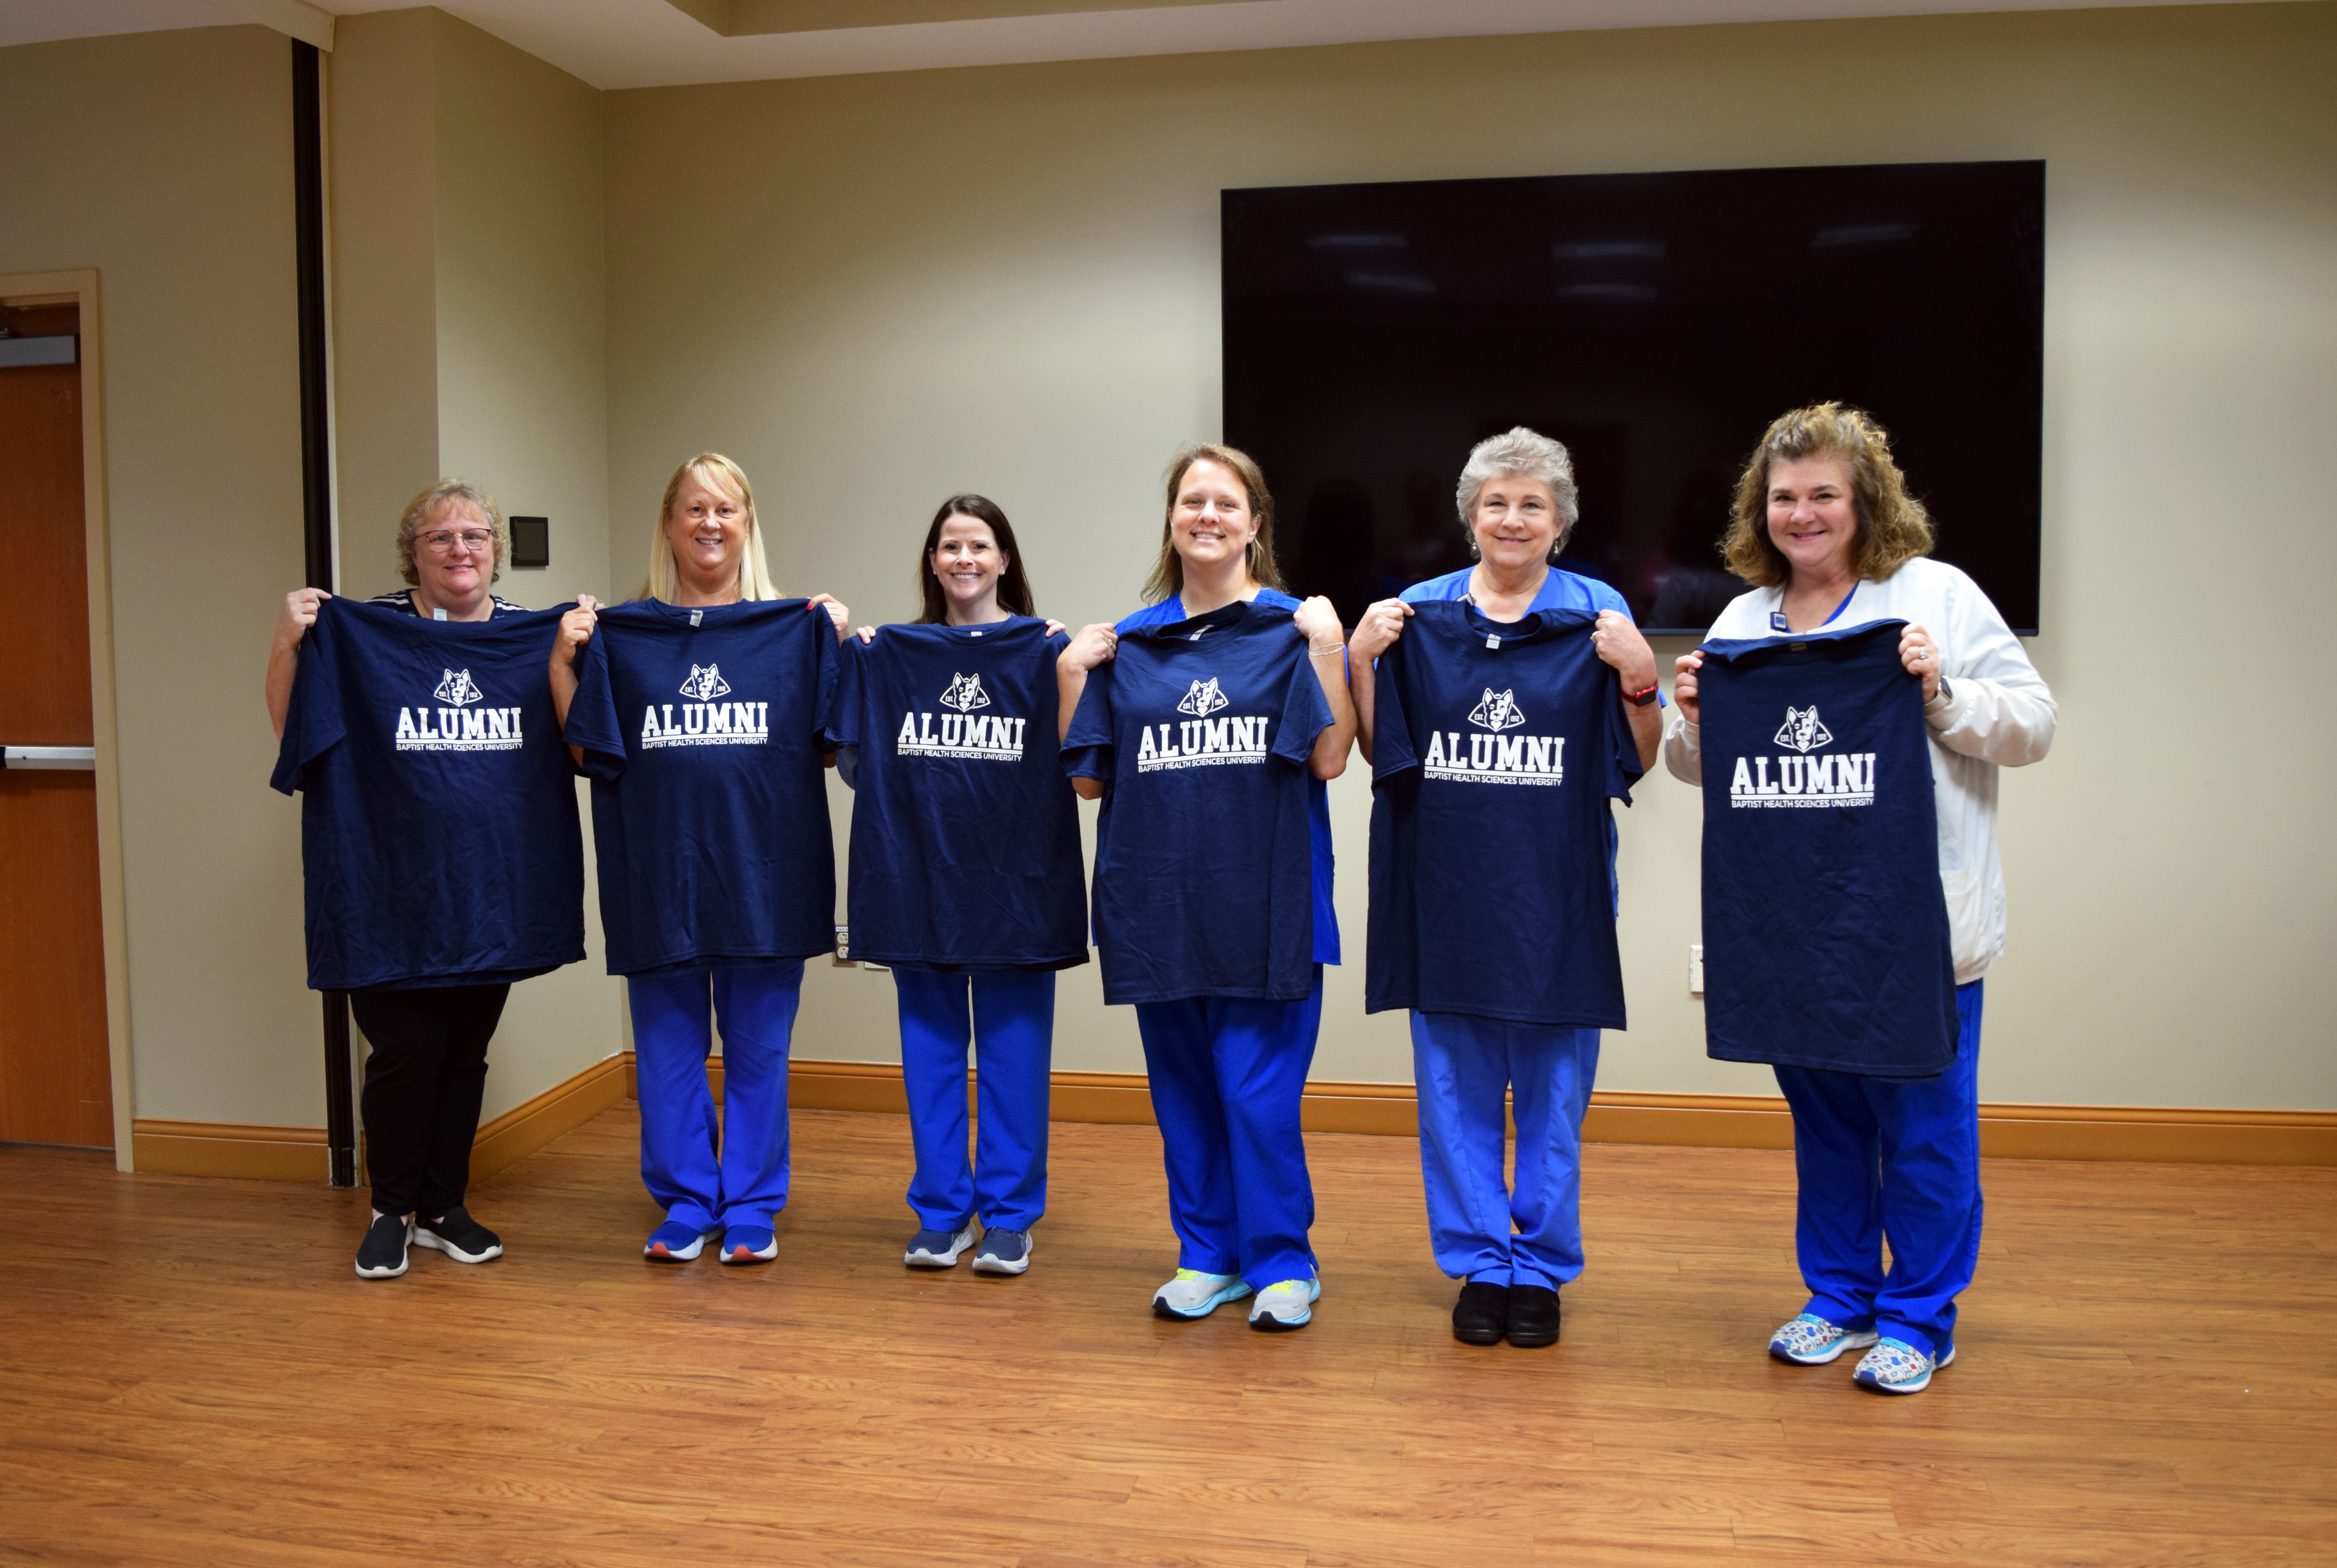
(711, 827)
(965, 875)
(1206, 723)
(426, 1071)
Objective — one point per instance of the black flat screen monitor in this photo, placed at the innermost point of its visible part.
(1655, 324)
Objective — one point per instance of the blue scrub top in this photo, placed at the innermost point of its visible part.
(1168, 612)
(1560, 590)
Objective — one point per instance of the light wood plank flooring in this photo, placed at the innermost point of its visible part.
(189, 1373)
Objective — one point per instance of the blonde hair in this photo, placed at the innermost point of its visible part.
(1894, 529)
(715, 471)
(417, 513)
(1168, 578)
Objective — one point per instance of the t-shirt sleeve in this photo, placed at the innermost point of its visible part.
(313, 723)
(842, 726)
(1088, 747)
(827, 654)
(592, 725)
(1306, 711)
(1392, 751)
(1622, 747)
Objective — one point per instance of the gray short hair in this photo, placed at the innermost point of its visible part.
(1520, 453)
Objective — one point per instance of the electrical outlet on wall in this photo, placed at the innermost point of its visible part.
(1696, 968)
(844, 958)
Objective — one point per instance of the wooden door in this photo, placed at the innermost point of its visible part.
(55, 1076)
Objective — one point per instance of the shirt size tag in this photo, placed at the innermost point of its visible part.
(437, 615)
(1492, 641)
(697, 618)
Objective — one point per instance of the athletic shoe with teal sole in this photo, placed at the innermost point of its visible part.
(1284, 1305)
(1193, 1294)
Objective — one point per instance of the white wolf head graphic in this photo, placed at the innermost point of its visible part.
(965, 694)
(1802, 731)
(458, 688)
(1498, 711)
(706, 683)
(1202, 700)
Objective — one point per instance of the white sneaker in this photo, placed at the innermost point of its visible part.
(1286, 1304)
(1193, 1294)
(937, 1248)
(1810, 1341)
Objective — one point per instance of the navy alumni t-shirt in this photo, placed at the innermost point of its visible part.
(1318, 793)
(1200, 731)
(700, 733)
(965, 834)
(438, 828)
(1497, 748)
(1825, 930)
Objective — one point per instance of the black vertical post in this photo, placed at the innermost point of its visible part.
(317, 496)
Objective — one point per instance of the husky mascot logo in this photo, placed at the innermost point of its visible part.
(965, 694)
(1498, 711)
(706, 684)
(1202, 700)
(1802, 731)
(458, 688)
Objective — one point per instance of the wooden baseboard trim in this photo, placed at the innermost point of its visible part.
(2174, 1134)
(230, 1149)
(567, 1105)
(256, 1154)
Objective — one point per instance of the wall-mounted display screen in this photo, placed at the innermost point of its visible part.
(1655, 324)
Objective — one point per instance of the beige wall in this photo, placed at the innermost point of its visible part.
(165, 161)
(470, 332)
(874, 290)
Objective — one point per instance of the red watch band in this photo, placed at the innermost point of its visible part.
(1642, 698)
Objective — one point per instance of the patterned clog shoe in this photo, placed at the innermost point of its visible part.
(1895, 1366)
(1810, 1341)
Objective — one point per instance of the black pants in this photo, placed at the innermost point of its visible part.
(422, 1088)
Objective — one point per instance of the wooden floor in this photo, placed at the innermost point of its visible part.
(189, 1373)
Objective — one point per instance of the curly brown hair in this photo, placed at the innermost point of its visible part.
(1894, 529)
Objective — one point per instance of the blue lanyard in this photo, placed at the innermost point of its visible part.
(1777, 616)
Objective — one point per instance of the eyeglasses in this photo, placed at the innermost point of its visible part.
(444, 541)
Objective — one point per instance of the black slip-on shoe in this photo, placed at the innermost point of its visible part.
(1533, 1316)
(459, 1236)
(382, 1254)
(1482, 1315)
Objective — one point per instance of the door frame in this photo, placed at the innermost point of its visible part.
(79, 288)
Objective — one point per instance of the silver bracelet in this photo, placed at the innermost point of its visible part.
(1314, 652)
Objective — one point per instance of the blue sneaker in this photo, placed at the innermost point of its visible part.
(1810, 1341)
(1193, 1294)
(938, 1249)
(1003, 1252)
(744, 1244)
(1895, 1366)
(1287, 1304)
(675, 1243)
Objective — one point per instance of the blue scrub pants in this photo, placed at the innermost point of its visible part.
(1894, 1159)
(1011, 1026)
(708, 1173)
(1228, 1076)
(1528, 1230)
